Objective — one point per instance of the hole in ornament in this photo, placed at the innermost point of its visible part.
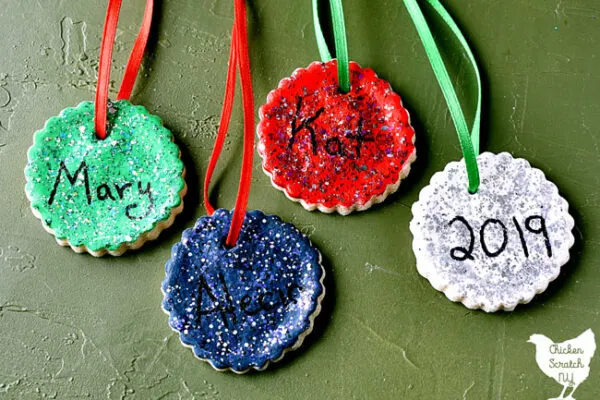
(471, 192)
(224, 244)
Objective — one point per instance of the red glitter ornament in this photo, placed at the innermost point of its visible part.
(335, 151)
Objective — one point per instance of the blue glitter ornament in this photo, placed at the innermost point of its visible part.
(240, 308)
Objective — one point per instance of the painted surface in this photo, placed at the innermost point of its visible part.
(72, 325)
(243, 307)
(103, 193)
(335, 149)
(498, 247)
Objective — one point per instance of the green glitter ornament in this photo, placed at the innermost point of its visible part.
(105, 196)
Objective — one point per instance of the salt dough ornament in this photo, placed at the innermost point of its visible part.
(334, 136)
(244, 307)
(242, 288)
(335, 151)
(105, 196)
(106, 177)
(498, 247)
(500, 240)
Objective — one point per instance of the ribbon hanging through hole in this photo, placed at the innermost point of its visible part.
(469, 141)
(238, 58)
(133, 64)
(341, 43)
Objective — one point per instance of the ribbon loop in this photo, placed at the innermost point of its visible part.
(238, 56)
(133, 64)
(341, 44)
(469, 141)
(225, 119)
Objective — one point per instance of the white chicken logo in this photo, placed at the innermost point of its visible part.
(568, 363)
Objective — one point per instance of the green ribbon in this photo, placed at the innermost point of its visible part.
(469, 141)
(341, 44)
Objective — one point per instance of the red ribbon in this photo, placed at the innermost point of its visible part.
(238, 56)
(133, 65)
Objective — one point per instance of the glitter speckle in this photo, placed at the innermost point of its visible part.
(248, 304)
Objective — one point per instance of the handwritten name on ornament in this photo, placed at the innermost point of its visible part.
(250, 303)
(334, 146)
(104, 191)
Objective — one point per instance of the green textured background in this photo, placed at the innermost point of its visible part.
(73, 326)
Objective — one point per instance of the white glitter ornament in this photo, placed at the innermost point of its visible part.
(498, 247)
